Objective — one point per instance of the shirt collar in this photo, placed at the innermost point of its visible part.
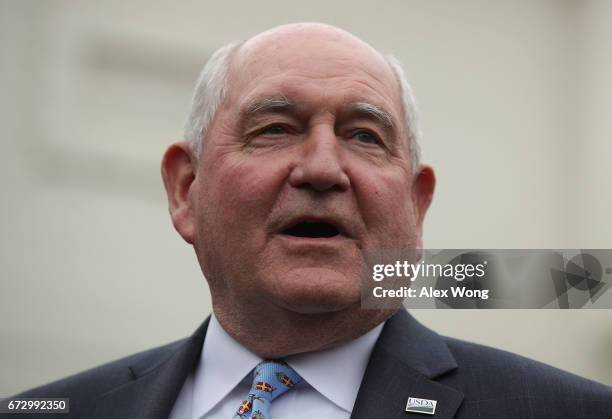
(223, 364)
(335, 373)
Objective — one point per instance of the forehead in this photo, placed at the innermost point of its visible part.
(327, 66)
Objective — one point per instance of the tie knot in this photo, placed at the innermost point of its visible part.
(273, 378)
(270, 380)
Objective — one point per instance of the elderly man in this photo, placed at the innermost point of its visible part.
(302, 155)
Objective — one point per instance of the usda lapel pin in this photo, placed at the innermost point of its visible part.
(425, 406)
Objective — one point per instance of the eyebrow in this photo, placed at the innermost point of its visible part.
(281, 103)
(374, 112)
(269, 104)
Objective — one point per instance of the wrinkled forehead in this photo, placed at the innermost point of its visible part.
(311, 53)
(315, 40)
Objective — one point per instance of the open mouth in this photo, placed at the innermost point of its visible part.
(309, 229)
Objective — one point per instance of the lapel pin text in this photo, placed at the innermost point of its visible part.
(425, 406)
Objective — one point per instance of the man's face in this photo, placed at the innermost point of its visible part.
(305, 167)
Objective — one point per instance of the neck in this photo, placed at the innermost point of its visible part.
(281, 333)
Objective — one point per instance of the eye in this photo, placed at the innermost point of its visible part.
(275, 129)
(366, 137)
(273, 134)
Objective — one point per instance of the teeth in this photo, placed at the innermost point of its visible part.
(312, 229)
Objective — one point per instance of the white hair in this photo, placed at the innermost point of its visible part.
(212, 86)
(410, 110)
(209, 93)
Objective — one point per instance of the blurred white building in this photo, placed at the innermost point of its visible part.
(515, 100)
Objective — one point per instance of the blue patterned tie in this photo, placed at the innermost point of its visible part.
(270, 380)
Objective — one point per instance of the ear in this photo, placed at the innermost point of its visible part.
(424, 183)
(178, 172)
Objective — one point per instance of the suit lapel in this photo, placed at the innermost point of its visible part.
(404, 363)
(156, 383)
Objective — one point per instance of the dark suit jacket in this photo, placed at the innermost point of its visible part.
(409, 360)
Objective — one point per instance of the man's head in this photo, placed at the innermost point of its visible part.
(305, 163)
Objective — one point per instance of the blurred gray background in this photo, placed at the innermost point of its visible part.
(515, 100)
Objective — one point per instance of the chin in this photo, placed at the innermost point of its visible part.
(315, 290)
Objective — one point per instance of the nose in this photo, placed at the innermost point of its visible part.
(319, 166)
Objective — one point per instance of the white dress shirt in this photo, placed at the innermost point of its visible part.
(223, 377)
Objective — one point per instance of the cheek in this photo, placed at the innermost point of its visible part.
(386, 206)
(242, 189)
